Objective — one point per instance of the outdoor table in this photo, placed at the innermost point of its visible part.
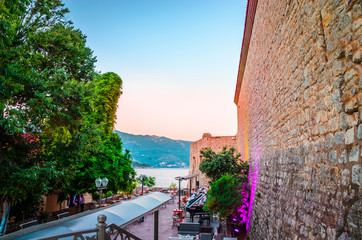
(178, 212)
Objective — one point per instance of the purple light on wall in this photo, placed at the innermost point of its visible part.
(254, 170)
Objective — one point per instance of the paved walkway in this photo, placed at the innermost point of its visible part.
(144, 230)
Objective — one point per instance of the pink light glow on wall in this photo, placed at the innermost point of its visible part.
(254, 170)
(251, 145)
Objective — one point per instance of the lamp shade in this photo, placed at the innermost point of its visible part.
(99, 182)
(104, 182)
(143, 178)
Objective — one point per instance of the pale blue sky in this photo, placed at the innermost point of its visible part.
(178, 60)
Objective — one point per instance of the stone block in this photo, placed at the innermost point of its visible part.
(354, 154)
(338, 68)
(339, 138)
(343, 157)
(348, 76)
(329, 140)
(349, 137)
(359, 132)
(354, 91)
(338, 81)
(351, 106)
(356, 174)
(352, 119)
(342, 121)
(345, 177)
(345, 96)
(322, 129)
(333, 125)
(333, 156)
(357, 56)
(356, 25)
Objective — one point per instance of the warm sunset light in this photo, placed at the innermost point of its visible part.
(178, 61)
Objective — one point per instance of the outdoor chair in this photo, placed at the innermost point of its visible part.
(175, 220)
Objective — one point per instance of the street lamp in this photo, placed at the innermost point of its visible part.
(101, 184)
(142, 178)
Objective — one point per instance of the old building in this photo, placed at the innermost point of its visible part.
(299, 98)
(207, 141)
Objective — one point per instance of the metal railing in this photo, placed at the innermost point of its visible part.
(102, 232)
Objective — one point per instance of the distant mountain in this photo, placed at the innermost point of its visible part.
(157, 151)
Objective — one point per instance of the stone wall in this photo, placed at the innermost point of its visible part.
(207, 141)
(299, 103)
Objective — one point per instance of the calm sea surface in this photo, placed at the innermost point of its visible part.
(164, 176)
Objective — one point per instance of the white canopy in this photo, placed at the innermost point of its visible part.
(120, 214)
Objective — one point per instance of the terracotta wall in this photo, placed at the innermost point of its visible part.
(51, 204)
(299, 119)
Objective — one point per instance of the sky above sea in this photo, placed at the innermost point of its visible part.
(178, 60)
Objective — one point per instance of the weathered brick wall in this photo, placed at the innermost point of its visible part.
(299, 115)
(207, 141)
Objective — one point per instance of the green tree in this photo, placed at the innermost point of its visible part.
(223, 196)
(130, 188)
(56, 112)
(148, 181)
(99, 150)
(44, 65)
(228, 175)
(173, 185)
(215, 165)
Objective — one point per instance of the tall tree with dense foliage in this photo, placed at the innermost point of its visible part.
(43, 65)
(104, 157)
(215, 165)
(229, 192)
(223, 196)
(56, 112)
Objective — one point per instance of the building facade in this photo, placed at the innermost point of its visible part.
(299, 104)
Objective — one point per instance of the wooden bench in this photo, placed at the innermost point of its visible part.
(63, 215)
(29, 224)
(189, 228)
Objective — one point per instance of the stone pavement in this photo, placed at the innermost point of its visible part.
(144, 230)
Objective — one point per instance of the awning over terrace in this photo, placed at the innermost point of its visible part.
(179, 179)
(121, 214)
(187, 177)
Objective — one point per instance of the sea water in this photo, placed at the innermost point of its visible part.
(164, 176)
